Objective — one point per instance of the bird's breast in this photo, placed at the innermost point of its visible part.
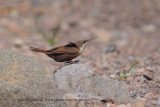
(82, 48)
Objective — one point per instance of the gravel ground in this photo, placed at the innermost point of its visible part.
(127, 31)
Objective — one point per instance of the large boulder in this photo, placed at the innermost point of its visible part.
(78, 80)
(26, 82)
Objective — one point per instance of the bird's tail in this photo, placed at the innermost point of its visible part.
(37, 50)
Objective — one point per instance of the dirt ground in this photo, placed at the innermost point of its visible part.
(127, 31)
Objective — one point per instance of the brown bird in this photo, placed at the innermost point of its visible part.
(65, 53)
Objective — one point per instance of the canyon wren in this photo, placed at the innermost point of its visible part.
(65, 53)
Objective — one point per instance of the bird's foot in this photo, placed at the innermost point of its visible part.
(77, 61)
(72, 62)
(69, 62)
(80, 60)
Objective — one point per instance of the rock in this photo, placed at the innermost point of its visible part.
(18, 42)
(143, 79)
(110, 48)
(149, 28)
(78, 80)
(131, 58)
(25, 82)
(14, 14)
(158, 102)
(148, 77)
(129, 78)
(150, 68)
(76, 101)
(117, 71)
(112, 76)
(140, 104)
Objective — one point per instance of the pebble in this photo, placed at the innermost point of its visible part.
(150, 68)
(117, 71)
(140, 71)
(14, 14)
(148, 77)
(130, 58)
(96, 12)
(138, 79)
(129, 78)
(143, 79)
(112, 76)
(158, 104)
(110, 48)
(149, 28)
(143, 91)
(113, 105)
(18, 42)
(146, 58)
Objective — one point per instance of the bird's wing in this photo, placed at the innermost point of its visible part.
(62, 50)
(71, 44)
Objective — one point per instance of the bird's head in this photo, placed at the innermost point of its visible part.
(82, 44)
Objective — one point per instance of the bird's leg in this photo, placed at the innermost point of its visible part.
(69, 62)
(73, 62)
(77, 61)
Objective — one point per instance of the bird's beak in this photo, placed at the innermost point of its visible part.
(91, 39)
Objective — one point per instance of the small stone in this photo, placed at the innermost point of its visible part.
(150, 95)
(149, 28)
(130, 58)
(146, 58)
(140, 71)
(113, 105)
(143, 91)
(110, 48)
(150, 68)
(139, 104)
(122, 105)
(158, 104)
(113, 76)
(117, 71)
(143, 79)
(18, 42)
(147, 77)
(129, 78)
(139, 79)
(14, 14)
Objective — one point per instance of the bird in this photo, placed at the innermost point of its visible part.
(65, 53)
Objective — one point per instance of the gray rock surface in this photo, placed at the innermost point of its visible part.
(25, 82)
(77, 80)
